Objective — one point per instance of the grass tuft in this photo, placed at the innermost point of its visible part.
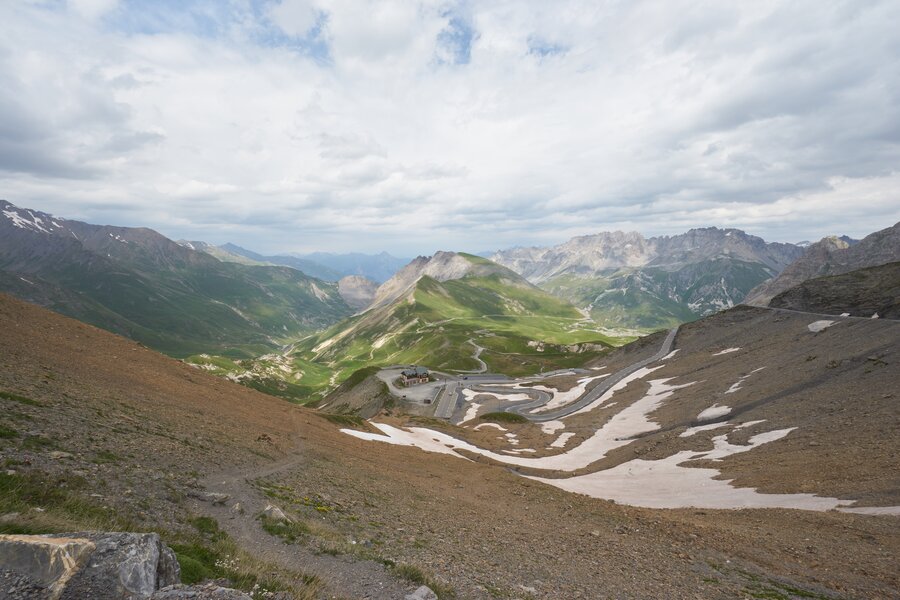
(416, 575)
(19, 399)
(503, 417)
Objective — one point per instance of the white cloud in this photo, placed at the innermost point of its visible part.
(92, 9)
(563, 118)
(294, 17)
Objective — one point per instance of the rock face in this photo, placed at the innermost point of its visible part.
(357, 291)
(861, 293)
(74, 566)
(831, 256)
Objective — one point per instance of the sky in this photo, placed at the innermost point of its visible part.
(412, 126)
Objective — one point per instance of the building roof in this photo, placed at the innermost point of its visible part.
(415, 372)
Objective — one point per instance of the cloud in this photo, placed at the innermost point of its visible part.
(92, 9)
(335, 124)
(294, 17)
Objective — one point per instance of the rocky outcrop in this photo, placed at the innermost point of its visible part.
(99, 566)
(831, 256)
(357, 291)
(422, 593)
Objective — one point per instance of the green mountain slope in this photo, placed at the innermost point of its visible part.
(441, 324)
(448, 312)
(138, 283)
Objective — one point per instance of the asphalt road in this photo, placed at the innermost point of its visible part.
(596, 391)
(447, 400)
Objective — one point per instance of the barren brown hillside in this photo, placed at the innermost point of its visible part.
(124, 427)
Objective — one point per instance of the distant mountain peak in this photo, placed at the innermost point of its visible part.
(441, 266)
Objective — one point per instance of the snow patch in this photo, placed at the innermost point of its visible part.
(713, 412)
(690, 431)
(615, 433)
(471, 412)
(726, 351)
(665, 483)
(562, 398)
(737, 385)
(551, 427)
(818, 326)
(670, 354)
(561, 441)
(23, 223)
(492, 425)
(639, 374)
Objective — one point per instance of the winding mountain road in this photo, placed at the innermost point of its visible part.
(595, 392)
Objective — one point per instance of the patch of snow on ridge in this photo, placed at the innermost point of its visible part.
(562, 398)
(670, 354)
(726, 351)
(561, 441)
(665, 483)
(471, 412)
(551, 427)
(492, 425)
(639, 374)
(690, 431)
(713, 412)
(23, 223)
(818, 326)
(737, 385)
(618, 431)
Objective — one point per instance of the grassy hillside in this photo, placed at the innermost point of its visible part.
(442, 324)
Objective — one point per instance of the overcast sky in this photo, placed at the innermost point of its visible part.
(409, 126)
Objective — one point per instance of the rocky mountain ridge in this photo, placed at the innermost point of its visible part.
(595, 255)
(870, 292)
(624, 280)
(831, 256)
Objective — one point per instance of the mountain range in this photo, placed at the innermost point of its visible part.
(323, 265)
(627, 280)
(138, 283)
